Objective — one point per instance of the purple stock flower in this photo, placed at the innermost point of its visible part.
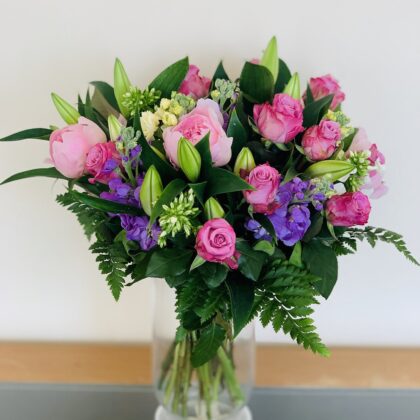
(123, 193)
(137, 230)
(109, 166)
(259, 232)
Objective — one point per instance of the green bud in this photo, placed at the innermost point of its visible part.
(114, 127)
(67, 112)
(212, 209)
(189, 159)
(245, 162)
(150, 190)
(270, 58)
(333, 169)
(293, 87)
(121, 86)
(158, 152)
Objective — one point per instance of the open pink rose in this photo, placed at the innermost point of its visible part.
(265, 179)
(349, 209)
(320, 141)
(195, 85)
(326, 85)
(215, 242)
(101, 162)
(281, 121)
(70, 146)
(204, 118)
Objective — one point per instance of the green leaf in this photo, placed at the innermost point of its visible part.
(347, 141)
(321, 261)
(283, 77)
(257, 83)
(169, 262)
(265, 222)
(171, 78)
(210, 340)
(199, 191)
(250, 262)
(317, 220)
(309, 96)
(313, 113)
(270, 58)
(31, 133)
(213, 274)
(104, 205)
(296, 256)
(203, 148)
(40, 172)
(107, 92)
(264, 246)
(197, 262)
(221, 181)
(174, 188)
(238, 132)
(241, 294)
(220, 73)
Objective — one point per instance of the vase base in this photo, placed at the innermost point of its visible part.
(244, 414)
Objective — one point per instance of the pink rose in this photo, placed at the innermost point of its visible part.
(101, 161)
(326, 85)
(281, 121)
(349, 209)
(320, 141)
(265, 179)
(195, 85)
(204, 118)
(215, 242)
(70, 146)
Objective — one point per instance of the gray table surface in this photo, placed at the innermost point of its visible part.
(86, 402)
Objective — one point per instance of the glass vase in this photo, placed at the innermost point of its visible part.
(217, 390)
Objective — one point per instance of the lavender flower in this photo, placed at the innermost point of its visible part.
(136, 228)
(122, 192)
(259, 232)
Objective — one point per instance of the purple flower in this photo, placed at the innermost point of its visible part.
(291, 223)
(136, 228)
(259, 232)
(121, 192)
(109, 166)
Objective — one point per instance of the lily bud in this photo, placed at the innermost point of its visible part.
(212, 209)
(121, 86)
(333, 169)
(158, 152)
(69, 114)
(293, 87)
(270, 58)
(189, 159)
(245, 162)
(150, 190)
(114, 127)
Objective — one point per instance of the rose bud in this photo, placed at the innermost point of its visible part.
(69, 114)
(349, 209)
(213, 210)
(245, 163)
(320, 141)
(151, 189)
(114, 127)
(334, 169)
(326, 85)
(195, 85)
(121, 86)
(293, 87)
(189, 159)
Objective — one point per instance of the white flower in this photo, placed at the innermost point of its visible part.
(149, 124)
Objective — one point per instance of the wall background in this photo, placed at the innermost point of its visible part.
(49, 285)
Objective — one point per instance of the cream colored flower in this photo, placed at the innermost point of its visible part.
(149, 124)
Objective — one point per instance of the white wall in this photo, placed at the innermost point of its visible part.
(49, 286)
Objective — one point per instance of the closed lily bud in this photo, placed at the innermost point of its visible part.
(333, 169)
(158, 152)
(245, 163)
(270, 58)
(189, 159)
(69, 114)
(114, 127)
(293, 87)
(121, 86)
(150, 190)
(212, 209)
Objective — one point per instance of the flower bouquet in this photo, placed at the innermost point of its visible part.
(241, 194)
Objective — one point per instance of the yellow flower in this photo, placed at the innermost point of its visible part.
(149, 124)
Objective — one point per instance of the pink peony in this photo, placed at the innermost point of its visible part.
(281, 121)
(99, 157)
(265, 179)
(320, 141)
(204, 118)
(326, 85)
(349, 209)
(195, 85)
(215, 242)
(70, 146)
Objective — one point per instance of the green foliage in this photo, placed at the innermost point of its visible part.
(314, 111)
(238, 132)
(283, 77)
(107, 92)
(220, 73)
(284, 297)
(256, 83)
(88, 217)
(169, 262)
(221, 181)
(250, 262)
(40, 172)
(31, 133)
(211, 338)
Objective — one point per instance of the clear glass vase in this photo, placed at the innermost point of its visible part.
(217, 390)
